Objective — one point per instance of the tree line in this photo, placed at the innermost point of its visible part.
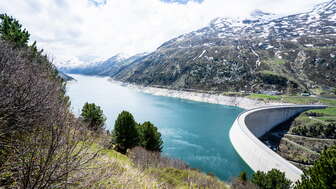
(127, 133)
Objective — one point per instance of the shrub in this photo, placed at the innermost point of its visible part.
(150, 138)
(273, 179)
(317, 129)
(237, 183)
(145, 159)
(273, 78)
(93, 116)
(322, 174)
(243, 176)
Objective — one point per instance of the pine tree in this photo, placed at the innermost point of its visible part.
(125, 132)
(273, 179)
(322, 174)
(150, 138)
(93, 116)
(11, 30)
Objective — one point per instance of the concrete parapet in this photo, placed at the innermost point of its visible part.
(256, 122)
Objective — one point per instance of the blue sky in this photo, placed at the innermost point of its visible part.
(90, 30)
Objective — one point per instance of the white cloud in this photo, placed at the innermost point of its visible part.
(78, 28)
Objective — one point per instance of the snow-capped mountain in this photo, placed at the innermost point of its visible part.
(264, 51)
(261, 25)
(102, 68)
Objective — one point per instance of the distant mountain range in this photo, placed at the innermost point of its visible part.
(263, 52)
(108, 67)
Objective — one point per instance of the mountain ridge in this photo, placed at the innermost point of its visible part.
(289, 54)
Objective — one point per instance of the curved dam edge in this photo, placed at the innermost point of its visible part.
(254, 123)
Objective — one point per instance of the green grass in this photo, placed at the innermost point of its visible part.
(300, 99)
(326, 112)
(326, 115)
(110, 169)
(327, 119)
(329, 102)
(308, 100)
(110, 153)
(275, 61)
(305, 120)
(185, 178)
(264, 97)
(172, 176)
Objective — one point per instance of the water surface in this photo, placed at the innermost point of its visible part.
(195, 132)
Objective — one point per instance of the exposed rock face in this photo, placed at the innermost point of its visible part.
(263, 52)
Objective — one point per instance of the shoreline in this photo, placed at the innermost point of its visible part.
(241, 102)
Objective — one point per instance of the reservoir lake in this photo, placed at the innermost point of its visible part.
(195, 132)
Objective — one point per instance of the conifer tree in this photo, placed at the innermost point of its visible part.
(150, 138)
(322, 174)
(125, 132)
(11, 30)
(93, 116)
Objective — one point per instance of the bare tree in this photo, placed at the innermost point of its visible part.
(41, 142)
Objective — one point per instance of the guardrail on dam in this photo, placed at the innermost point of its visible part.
(256, 122)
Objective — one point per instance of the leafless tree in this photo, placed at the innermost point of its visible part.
(41, 142)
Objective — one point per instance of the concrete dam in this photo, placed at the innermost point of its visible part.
(256, 122)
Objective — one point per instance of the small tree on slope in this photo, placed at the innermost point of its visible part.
(150, 138)
(125, 132)
(93, 116)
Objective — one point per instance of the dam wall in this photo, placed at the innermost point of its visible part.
(256, 122)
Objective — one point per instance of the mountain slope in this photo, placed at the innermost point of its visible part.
(108, 67)
(289, 54)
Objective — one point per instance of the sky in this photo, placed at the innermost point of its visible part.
(78, 31)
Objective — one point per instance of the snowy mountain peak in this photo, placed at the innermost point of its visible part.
(327, 6)
(256, 16)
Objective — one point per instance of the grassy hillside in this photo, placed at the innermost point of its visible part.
(111, 169)
(293, 99)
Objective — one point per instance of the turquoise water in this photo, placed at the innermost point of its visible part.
(195, 132)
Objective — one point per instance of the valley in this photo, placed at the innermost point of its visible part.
(168, 94)
(264, 59)
(264, 52)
